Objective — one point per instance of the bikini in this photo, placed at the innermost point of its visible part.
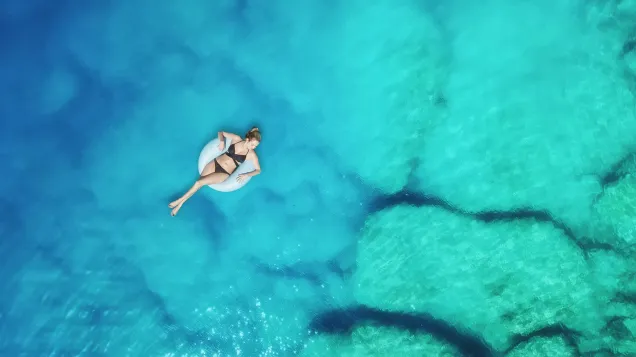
(238, 159)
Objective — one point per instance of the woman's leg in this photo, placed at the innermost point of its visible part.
(209, 168)
(202, 181)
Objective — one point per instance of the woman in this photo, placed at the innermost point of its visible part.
(219, 169)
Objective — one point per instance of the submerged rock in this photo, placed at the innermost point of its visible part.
(614, 218)
(498, 279)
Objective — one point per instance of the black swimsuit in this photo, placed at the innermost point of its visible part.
(238, 159)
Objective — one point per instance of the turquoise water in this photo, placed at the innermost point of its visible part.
(439, 179)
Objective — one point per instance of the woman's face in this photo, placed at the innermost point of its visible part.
(252, 144)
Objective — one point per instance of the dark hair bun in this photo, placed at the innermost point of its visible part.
(254, 133)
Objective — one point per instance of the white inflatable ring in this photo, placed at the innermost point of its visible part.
(210, 152)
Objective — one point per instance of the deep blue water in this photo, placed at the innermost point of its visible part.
(92, 261)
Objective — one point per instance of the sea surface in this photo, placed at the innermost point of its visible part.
(439, 178)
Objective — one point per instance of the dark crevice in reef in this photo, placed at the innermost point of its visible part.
(628, 47)
(625, 297)
(439, 100)
(615, 327)
(616, 172)
(314, 273)
(556, 330)
(343, 322)
(295, 271)
(342, 272)
(416, 199)
(405, 197)
(590, 246)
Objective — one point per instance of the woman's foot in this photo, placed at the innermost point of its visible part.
(176, 209)
(174, 203)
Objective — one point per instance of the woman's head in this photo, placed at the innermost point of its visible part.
(253, 138)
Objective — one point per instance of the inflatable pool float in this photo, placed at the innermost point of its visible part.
(210, 152)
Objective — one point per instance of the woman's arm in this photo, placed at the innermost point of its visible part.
(224, 134)
(257, 167)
